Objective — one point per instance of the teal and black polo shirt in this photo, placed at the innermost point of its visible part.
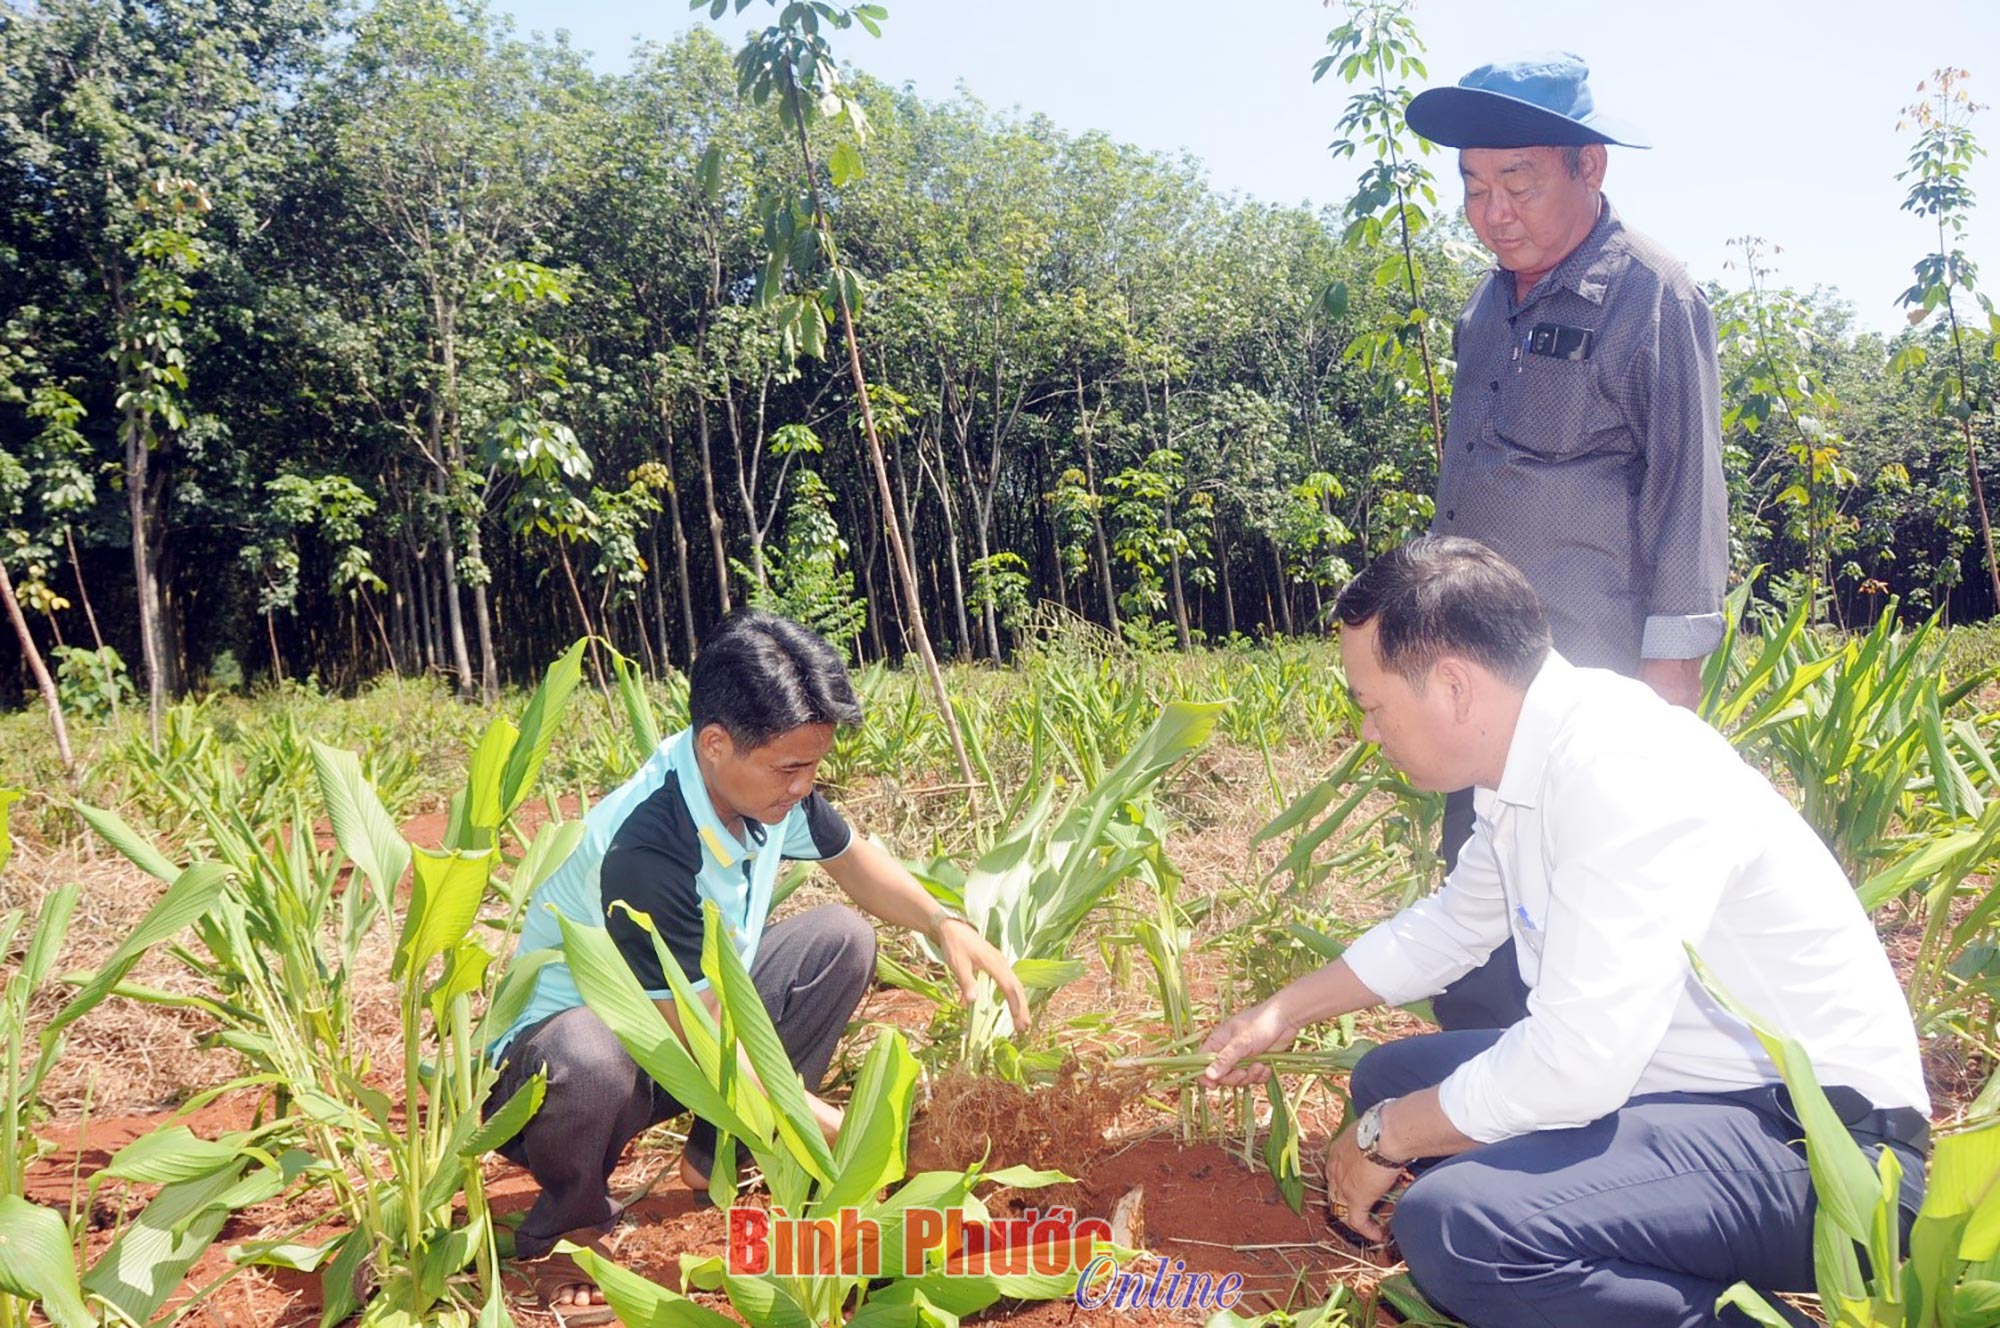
(657, 843)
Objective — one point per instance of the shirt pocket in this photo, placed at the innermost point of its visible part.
(1556, 409)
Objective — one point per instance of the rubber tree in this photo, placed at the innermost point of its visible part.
(145, 139)
(1396, 194)
(790, 65)
(456, 144)
(1939, 165)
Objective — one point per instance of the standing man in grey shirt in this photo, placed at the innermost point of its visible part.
(1585, 443)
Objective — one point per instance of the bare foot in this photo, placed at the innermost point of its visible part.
(574, 1295)
(564, 1290)
(692, 1178)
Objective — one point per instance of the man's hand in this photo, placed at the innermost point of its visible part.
(1354, 1185)
(883, 886)
(1678, 681)
(968, 954)
(1263, 1027)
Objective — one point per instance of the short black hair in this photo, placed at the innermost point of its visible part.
(1442, 594)
(759, 676)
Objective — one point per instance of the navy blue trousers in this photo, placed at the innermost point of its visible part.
(1639, 1219)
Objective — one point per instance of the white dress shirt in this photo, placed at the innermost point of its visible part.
(1622, 828)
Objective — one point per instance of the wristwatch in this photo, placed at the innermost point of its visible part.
(1368, 1137)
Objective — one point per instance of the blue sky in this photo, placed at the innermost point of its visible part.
(1768, 117)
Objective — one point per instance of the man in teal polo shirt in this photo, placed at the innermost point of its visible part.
(711, 816)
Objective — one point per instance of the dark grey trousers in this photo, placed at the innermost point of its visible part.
(1492, 995)
(811, 970)
(1639, 1219)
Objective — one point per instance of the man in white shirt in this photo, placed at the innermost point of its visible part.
(1627, 1151)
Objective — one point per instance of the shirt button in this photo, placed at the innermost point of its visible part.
(1468, 447)
(1493, 386)
(1451, 514)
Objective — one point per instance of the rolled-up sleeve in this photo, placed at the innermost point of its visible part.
(1683, 512)
(1439, 939)
(1637, 874)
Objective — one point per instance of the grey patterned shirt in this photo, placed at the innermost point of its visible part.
(1585, 447)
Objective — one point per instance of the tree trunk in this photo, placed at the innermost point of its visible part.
(33, 655)
(433, 606)
(655, 661)
(434, 618)
(173, 643)
(1284, 591)
(406, 616)
(982, 488)
(658, 635)
(399, 604)
(1222, 571)
(905, 505)
(1096, 515)
(454, 614)
(1173, 559)
(874, 529)
(746, 463)
(420, 614)
(982, 520)
(583, 613)
(1048, 564)
(83, 595)
(680, 541)
(138, 458)
(445, 426)
(576, 594)
(482, 616)
(381, 634)
(716, 546)
(951, 546)
(271, 635)
(1174, 581)
(445, 443)
(906, 570)
(1979, 501)
(355, 670)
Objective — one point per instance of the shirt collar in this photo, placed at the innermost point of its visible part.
(723, 846)
(1587, 268)
(1542, 709)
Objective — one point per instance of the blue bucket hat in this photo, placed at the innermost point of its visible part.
(1543, 101)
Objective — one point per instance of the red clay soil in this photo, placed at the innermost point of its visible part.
(259, 1296)
(1200, 1207)
(1207, 1210)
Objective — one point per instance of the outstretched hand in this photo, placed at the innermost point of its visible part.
(968, 954)
(1259, 1029)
